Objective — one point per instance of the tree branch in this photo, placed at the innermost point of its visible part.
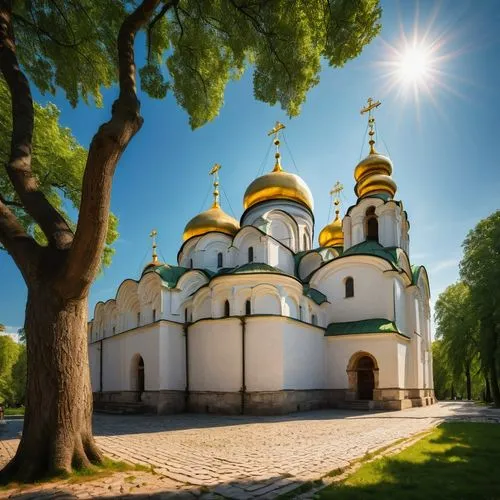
(20, 245)
(18, 167)
(105, 150)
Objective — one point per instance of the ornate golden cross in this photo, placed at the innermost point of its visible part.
(215, 172)
(335, 193)
(153, 234)
(371, 121)
(277, 127)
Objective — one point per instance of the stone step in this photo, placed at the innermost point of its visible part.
(121, 408)
(361, 405)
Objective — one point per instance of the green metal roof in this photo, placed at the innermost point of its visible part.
(315, 295)
(252, 268)
(376, 249)
(170, 275)
(415, 271)
(375, 325)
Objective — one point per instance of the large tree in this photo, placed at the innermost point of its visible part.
(458, 329)
(79, 46)
(480, 269)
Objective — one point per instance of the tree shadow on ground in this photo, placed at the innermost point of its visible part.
(117, 425)
(462, 462)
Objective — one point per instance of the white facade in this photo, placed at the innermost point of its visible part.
(261, 322)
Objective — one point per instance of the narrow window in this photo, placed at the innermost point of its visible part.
(154, 315)
(248, 308)
(227, 310)
(114, 330)
(250, 254)
(349, 287)
(305, 241)
(371, 225)
(186, 315)
(219, 259)
(314, 319)
(191, 263)
(138, 319)
(300, 312)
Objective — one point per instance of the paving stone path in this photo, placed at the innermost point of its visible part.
(239, 457)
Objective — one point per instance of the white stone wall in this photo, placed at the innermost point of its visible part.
(215, 355)
(373, 289)
(383, 347)
(303, 356)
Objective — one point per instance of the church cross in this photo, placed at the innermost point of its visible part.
(371, 105)
(276, 130)
(335, 193)
(215, 173)
(153, 235)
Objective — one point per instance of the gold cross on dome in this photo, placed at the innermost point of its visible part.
(277, 127)
(335, 193)
(371, 105)
(153, 234)
(215, 172)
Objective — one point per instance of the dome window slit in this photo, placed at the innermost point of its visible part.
(227, 309)
(349, 287)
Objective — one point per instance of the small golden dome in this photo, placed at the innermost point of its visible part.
(373, 175)
(332, 235)
(213, 219)
(280, 185)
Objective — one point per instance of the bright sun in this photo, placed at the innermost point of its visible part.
(413, 64)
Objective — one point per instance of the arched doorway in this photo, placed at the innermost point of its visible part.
(362, 375)
(365, 378)
(140, 376)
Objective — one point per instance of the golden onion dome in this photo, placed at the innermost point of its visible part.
(331, 235)
(278, 185)
(373, 176)
(213, 219)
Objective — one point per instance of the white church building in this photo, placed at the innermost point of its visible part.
(254, 318)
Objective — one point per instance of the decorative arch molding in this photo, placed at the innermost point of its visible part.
(247, 236)
(283, 228)
(342, 262)
(309, 263)
(127, 297)
(186, 251)
(191, 282)
(149, 290)
(404, 262)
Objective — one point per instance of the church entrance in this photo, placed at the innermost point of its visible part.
(366, 378)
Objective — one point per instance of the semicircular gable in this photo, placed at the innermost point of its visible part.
(127, 297)
(210, 240)
(149, 288)
(404, 262)
(309, 263)
(246, 232)
(346, 261)
(190, 282)
(422, 281)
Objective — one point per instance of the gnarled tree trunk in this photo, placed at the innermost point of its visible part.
(57, 432)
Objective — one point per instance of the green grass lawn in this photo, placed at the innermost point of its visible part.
(456, 461)
(14, 411)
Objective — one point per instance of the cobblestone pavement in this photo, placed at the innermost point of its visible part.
(241, 457)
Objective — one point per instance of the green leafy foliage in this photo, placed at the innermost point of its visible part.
(12, 376)
(58, 163)
(480, 269)
(195, 47)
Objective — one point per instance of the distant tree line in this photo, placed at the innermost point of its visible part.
(12, 369)
(466, 351)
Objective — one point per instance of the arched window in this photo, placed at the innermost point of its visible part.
(154, 315)
(248, 307)
(191, 263)
(186, 315)
(349, 287)
(371, 225)
(138, 319)
(227, 309)
(314, 319)
(219, 259)
(250, 254)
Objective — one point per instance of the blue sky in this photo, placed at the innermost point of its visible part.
(443, 148)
